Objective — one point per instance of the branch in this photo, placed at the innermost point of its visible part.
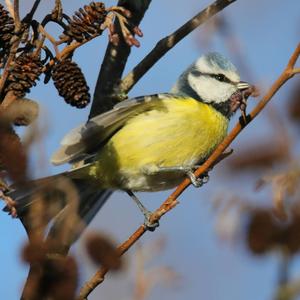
(10, 7)
(167, 43)
(172, 201)
(114, 62)
(17, 16)
(296, 70)
(29, 16)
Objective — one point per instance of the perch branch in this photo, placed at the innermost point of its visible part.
(172, 201)
(167, 43)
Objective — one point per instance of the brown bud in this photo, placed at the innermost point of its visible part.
(34, 252)
(262, 231)
(22, 112)
(294, 103)
(103, 252)
(291, 235)
(60, 278)
(13, 156)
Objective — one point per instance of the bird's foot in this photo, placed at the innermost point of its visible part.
(151, 226)
(197, 182)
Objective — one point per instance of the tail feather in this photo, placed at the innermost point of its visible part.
(91, 199)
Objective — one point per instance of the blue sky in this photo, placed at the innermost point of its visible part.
(267, 31)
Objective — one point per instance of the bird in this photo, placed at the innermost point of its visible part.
(149, 143)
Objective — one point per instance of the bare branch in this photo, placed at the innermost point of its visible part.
(172, 201)
(50, 38)
(114, 62)
(167, 43)
(29, 16)
(9, 7)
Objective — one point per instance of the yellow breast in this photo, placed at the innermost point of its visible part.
(173, 133)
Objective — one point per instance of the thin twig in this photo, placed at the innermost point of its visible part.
(39, 45)
(167, 43)
(296, 70)
(58, 10)
(17, 16)
(50, 38)
(68, 49)
(65, 52)
(172, 201)
(10, 7)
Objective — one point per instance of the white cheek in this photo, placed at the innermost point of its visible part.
(211, 90)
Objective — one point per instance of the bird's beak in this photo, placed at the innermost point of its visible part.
(242, 85)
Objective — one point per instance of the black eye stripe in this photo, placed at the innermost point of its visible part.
(220, 77)
(196, 73)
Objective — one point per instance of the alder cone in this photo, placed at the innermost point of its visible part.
(26, 70)
(70, 83)
(7, 28)
(86, 23)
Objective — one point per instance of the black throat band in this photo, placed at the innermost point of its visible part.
(223, 108)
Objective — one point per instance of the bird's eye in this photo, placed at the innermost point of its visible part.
(220, 77)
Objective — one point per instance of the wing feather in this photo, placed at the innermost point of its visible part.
(83, 141)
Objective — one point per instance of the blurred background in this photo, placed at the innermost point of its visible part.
(226, 240)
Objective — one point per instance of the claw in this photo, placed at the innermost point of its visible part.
(196, 182)
(10, 204)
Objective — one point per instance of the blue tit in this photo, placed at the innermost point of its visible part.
(151, 143)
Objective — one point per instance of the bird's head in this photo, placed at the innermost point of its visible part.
(213, 79)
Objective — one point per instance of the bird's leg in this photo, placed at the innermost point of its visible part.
(147, 214)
